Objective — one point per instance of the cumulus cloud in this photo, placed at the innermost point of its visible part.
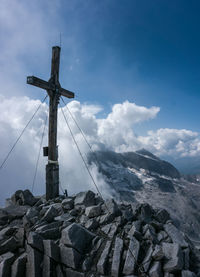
(116, 129)
(115, 132)
(172, 142)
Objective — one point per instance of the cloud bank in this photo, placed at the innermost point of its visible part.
(114, 132)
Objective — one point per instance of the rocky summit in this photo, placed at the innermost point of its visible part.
(83, 235)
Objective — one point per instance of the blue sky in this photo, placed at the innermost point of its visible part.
(144, 51)
(133, 65)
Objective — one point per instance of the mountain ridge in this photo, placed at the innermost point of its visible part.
(136, 176)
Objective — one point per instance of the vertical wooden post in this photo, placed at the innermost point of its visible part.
(54, 91)
(52, 168)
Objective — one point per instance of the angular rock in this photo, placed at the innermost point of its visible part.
(85, 198)
(50, 214)
(65, 217)
(53, 233)
(116, 257)
(92, 224)
(128, 215)
(162, 236)
(155, 270)
(19, 266)
(70, 257)
(106, 228)
(175, 235)
(145, 212)
(87, 263)
(48, 267)
(52, 225)
(23, 198)
(158, 253)
(19, 236)
(147, 260)
(156, 225)
(187, 273)
(34, 262)
(68, 204)
(130, 261)
(8, 245)
(101, 265)
(136, 225)
(162, 216)
(15, 212)
(105, 219)
(167, 274)
(150, 234)
(93, 211)
(111, 207)
(71, 273)
(186, 258)
(77, 237)
(73, 212)
(32, 212)
(6, 261)
(174, 256)
(113, 230)
(59, 272)
(6, 232)
(35, 240)
(52, 250)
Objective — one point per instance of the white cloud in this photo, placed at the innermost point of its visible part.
(172, 142)
(115, 132)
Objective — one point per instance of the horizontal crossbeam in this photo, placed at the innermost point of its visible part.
(66, 93)
(37, 82)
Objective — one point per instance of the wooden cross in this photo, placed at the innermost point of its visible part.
(54, 91)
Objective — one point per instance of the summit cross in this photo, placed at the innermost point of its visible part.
(54, 91)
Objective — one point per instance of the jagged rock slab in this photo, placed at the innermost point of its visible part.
(131, 257)
(174, 255)
(77, 237)
(34, 262)
(25, 197)
(101, 265)
(71, 273)
(155, 270)
(85, 198)
(7, 231)
(51, 250)
(175, 235)
(19, 266)
(187, 273)
(68, 204)
(50, 214)
(53, 233)
(111, 207)
(147, 260)
(6, 261)
(158, 253)
(162, 216)
(116, 257)
(70, 257)
(93, 211)
(48, 267)
(8, 245)
(35, 240)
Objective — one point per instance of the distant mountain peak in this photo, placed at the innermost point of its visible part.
(146, 153)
